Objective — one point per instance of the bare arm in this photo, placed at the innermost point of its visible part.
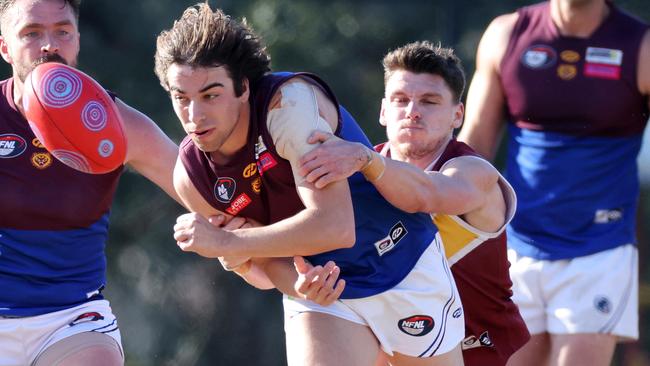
(150, 152)
(464, 186)
(485, 105)
(325, 224)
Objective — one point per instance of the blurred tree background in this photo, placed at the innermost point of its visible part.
(179, 309)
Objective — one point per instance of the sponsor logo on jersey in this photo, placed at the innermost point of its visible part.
(457, 313)
(485, 339)
(607, 216)
(470, 342)
(259, 147)
(602, 71)
(603, 304)
(570, 56)
(87, 317)
(250, 170)
(11, 145)
(396, 233)
(416, 325)
(239, 204)
(567, 72)
(473, 341)
(265, 162)
(224, 189)
(37, 143)
(256, 185)
(539, 57)
(41, 160)
(604, 56)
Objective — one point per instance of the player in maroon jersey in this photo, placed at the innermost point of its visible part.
(467, 198)
(572, 77)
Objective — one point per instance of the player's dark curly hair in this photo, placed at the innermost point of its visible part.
(425, 57)
(73, 4)
(206, 38)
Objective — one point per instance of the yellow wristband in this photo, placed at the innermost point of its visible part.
(375, 168)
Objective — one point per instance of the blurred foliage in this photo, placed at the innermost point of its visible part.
(179, 309)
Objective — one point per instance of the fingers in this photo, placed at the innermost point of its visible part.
(321, 284)
(318, 136)
(301, 266)
(315, 173)
(235, 223)
(334, 295)
(217, 220)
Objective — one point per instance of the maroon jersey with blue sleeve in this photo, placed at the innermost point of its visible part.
(259, 184)
(54, 223)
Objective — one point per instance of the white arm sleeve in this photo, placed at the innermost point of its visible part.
(294, 120)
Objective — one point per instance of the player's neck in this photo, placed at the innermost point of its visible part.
(578, 19)
(422, 161)
(17, 93)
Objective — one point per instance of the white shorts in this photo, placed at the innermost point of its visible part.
(23, 339)
(420, 317)
(597, 293)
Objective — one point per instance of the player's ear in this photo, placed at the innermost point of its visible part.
(245, 89)
(382, 117)
(459, 112)
(4, 50)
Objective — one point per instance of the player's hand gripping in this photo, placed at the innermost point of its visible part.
(318, 284)
(233, 263)
(195, 233)
(335, 159)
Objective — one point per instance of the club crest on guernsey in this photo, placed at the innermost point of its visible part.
(539, 57)
(224, 189)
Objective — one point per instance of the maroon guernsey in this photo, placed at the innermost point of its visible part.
(494, 329)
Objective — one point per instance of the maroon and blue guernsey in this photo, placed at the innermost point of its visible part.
(576, 123)
(493, 325)
(53, 225)
(259, 184)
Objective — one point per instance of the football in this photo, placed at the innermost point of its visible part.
(74, 118)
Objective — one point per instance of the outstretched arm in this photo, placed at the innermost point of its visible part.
(465, 185)
(150, 152)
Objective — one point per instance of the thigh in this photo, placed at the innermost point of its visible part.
(582, 349)
(87, 348)
(25, 339)
(315, 338)
(534, 353)
(451, 358)
(595, 294)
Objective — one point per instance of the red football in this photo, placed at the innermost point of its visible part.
(74, 118)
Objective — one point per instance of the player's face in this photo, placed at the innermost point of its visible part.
(419, 113)
(205, 102)
(36, 31)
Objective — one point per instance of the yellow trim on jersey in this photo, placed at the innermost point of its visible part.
(459, 237)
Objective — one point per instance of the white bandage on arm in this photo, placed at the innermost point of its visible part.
(294, 120)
